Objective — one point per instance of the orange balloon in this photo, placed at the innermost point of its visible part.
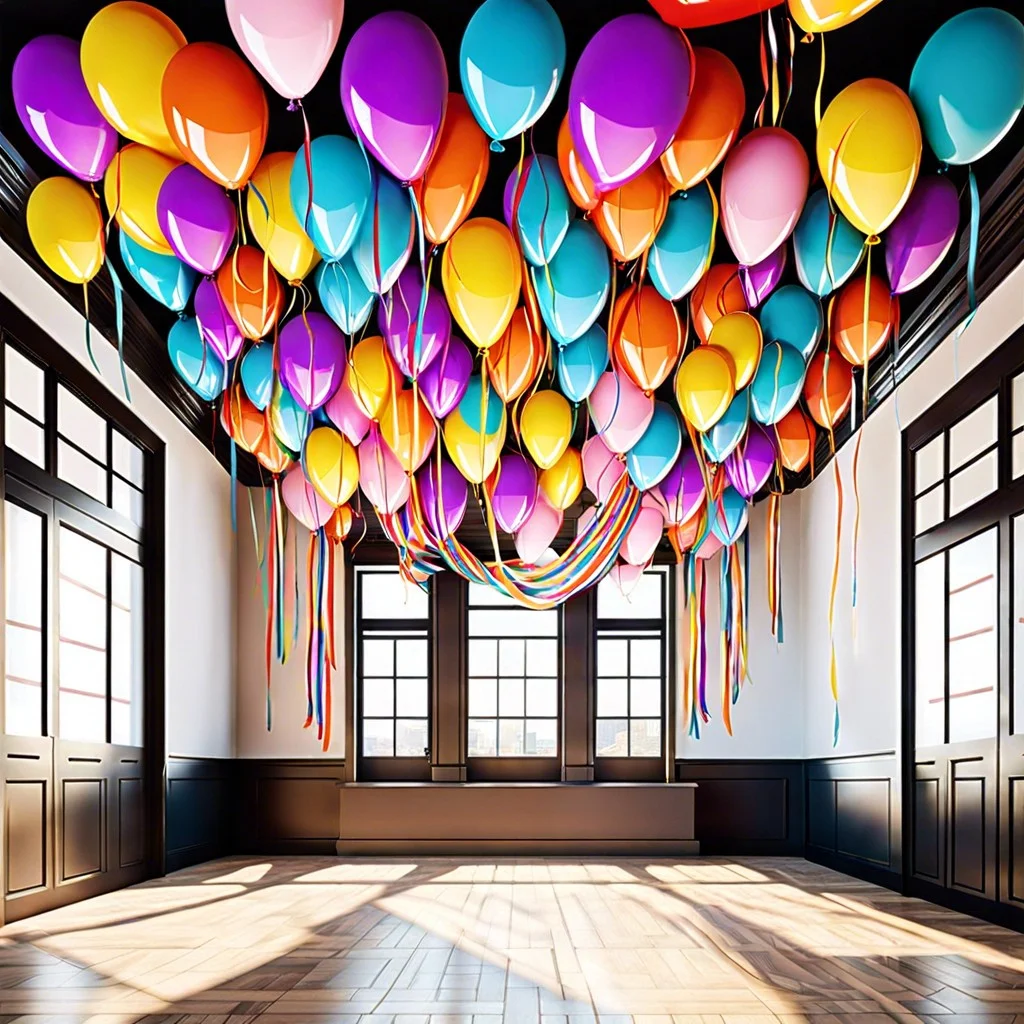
(858, 343)
(577, 180)
(216, 111)
(718, 292)
(338, 526)
(711, 123)
(242, 421)
(647, 337)
(828, 388)
(270, 455)
(630, 216)
(408, 429)
(794, 439)
(456, 173)
(251, 290)
(515, 358)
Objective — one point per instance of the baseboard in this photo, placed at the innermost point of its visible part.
(862, 869)
(1004, 914)
(525, 848)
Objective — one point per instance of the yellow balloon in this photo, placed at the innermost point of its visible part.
(869, 152)
(66, 228)
(125, 50)
(273, 221)
(739, 334)
(546, 426)
(332, 465)
(475, 455)
(482, 276)
(563, 482)
(371, 375)
(130, 187)
(705, 386)
(826, 15)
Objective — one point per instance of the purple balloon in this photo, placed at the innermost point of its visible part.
(56, 109)
(394, 88)
(397, 316)
(311, 354)
(443, 498)
(628, 94)
(750, 464)
(443, 383)
(514, 492)
(919, 238)
(215, 322)
(197, 218)
(683, 488)
(760, 280)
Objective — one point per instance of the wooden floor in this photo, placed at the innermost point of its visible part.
(737, 941)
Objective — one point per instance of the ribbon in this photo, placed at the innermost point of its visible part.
(833, 672)
(119, 322)
(972, 270)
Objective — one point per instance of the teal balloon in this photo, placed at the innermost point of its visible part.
(729, 518)
(819, 270)
(511, 62)
(195, 362)
(257, 373)
(777, 384)
(344, 295)
(342, 193)
(723, 437)
(650, 459)
(544, 211)
(581, 363)
(968, 83)
(385, 237)
(682, 249)
(163, 277)
(793, 315)
(477, 409)
(574, 287)
(292, 423)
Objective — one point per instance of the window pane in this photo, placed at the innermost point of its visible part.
(612, 697)
(82, 717)
(480, 594)
(645, 737)
(612, 657)
(645, 657)
(612, 737)
(928, 468)
(644, 697)
(512, 622)
(378, 698)
(644, 601)
(510, 737)
(127, 458)
(386, 595)
(378, 657)
(1018, 623)
(1018, 401)
(83, 425)
(83, 561)
(411, 658)
(24, 638)
(1017, 454)
(510, 697)
(973, 483)
(482, 737)
(973, 434)
(80, 471)
(378, 737)
(483, 657)
(542, 697)
(126, 651)
(929, 651)
(24, 384)
(542, 657)
(542, 737)
(410, 737)
(411, 698)
(483, 697)
(928, 510)
(126, 500)
(511, 657)
(24, 437)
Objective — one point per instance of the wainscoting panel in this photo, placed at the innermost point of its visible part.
(199, 801)
(1015, 872)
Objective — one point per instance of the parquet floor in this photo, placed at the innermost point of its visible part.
(439, 941)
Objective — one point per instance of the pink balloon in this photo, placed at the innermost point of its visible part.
(345, 413)
(709, 548)
(620, 411)
(640, 543)
(381, 476)
(539, 530)
(601, 469)
(585, 518)
(764, 185)
(302, 500)
(626, 576)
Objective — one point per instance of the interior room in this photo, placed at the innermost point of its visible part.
(512, 511)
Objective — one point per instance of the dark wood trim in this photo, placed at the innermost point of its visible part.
(579, 664)
(198, 796)
(448, 679)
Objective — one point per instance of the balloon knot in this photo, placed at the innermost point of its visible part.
(293, 105)
(872, 240)
(809, 38)
(496, 146)
(943, 168)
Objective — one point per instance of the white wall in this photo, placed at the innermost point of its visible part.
(200, 569)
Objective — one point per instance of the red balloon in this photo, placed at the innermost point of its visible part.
(698, 13)
(828, 388)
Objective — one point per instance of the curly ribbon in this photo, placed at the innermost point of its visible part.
(833, 671)
(773, 573)
(307, 153)
(972, 269)
(821, 84)
(774, 47)
(119, 322)
(88, 328)
(759, 114)
(791, 34)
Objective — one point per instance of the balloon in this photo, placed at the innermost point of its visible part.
(126, 48)
(345, 298)
(711, 122)
(574, 287)
(288, 44)
(764, 185)
(443, 383)
(869, 152)
(273, 223)
(777, 384)
(579, 183)
(511, 61)
(683, 488)
(381, 476)
(794, 438)
(709, 547)
(408, 429)
(344, 411)
(729, 518)
(474, 454)
(626, 576)
(561, 483)
(165, 278)
(750, 465)
(681, 251)
(66, 229)
(856, 341)
(257, 373)
(739, 334)
(546, 425)
(242, 421)
(394, 88)
(481, 277)
(455, 176)
(601, 468)
(251, 290)
(536, 535)
(131, 187)
(481, 408)
(968, 83)
(512, 489)
(289, 422)
(219, 330)
(384, 241)
(620, 411)
(539, 204)
(688, 14)
(650, 459)
(311, 356)
(705, 385)
(627, 96)
(721, 439)
(331, 464)
(718, 292)
(197, 219)
(194, 361)
(644, 536)
(629, 216)
(303, 501)
(826, 255)
(828, 388)
(215, 111)
(827, 15)
(581, 363)
(760, 280)
(922, 233)
(398, 319)
(442, 495)
(515, 359)
(269, 453)
(337, 528)
(793, 315)
(646, 336)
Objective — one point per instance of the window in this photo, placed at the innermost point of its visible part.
(24, 406)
